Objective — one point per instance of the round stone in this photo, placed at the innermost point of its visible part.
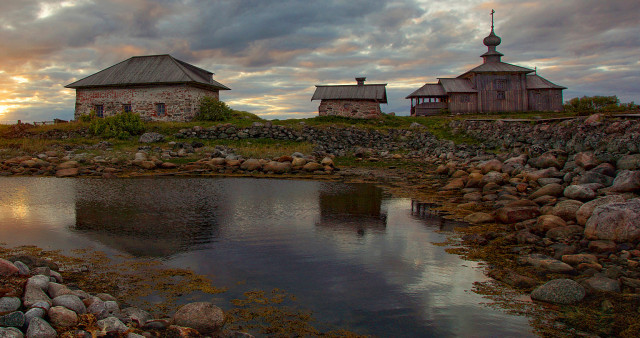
(560, 291)
(202, 316)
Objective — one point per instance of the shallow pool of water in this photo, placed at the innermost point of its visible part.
(358, 259)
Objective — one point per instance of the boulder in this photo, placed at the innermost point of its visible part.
(518, 211)
(605, 169)
(586, 210)
(14, 319)
(494, 177)
(70, 172)
(34, 294)
(548, 222)
(546, 263)
(559, 291)
(277, 167)
(71, 302)
(491, 165)
(579, 259)
(67, 165)
(600, 282)
(137, 315)
(594, 177)
(205, 317)
(567, 209)
(40, 328)
(298, 161)
(151, 137)
(546, 160)
(564, 232)
(626, 181)
(7, 268)
(629, 162)
(111, 324)
(619, 222)
(553, 189)
(586, 160)
(582, 191)
(479, 218)
(60, 316)
(313, 166)
(455, 184)
(602, 246)
(251, 165)
(9, 304)
(10, 332)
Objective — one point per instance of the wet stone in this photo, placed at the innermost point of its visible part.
(603, 283)
(32, 313)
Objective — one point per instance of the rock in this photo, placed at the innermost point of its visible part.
(137, 315)
(491, 165)
(580, 258)
(40, 328)
(44, 271)
(605, 169)
(298, 162)
(13, 319)
(7, 268)
(70, 172)
(602, 246)
(111, 324)
(582, 191)
(202, 316)
(60, 316)
(56, 275)
(34, 294)
(71, 302)
(479, 218)
(151, 137)
(559, 291)
(626, 181)
(525, 237)
(106, 297)
(494, 177)
(168, 165)
(277, 167)
(586, 210)
(586, 160)
(67, 165)
(552, 189)
(602, 283)
(546, 160)
(98, 308)
(327, 161)
(23, 269)
(140, 156)
(455, 184)
(32, 313)
(548, 222)
(9, 304)
(629, 162)
(156, 324)
(567, 209)
(217, 161)
(549, 180)
(618, 222)
(313, 166)
(546, 263)
(593, 177)
(532, 176)
(54, 290)
(518, 211)
(512, 278)
(251, 165)
(560, 233)
(10, 332)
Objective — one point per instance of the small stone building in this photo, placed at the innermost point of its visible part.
(493, 86)
(157, 87)
(356, 101)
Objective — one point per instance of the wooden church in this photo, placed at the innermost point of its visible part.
(493, 86)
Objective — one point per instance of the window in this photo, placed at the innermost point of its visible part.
(160, 109)
(126, 108)
(465, 98)
(501, 84)
(99, 110)
(500, 95)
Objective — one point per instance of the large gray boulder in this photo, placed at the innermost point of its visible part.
(559, 291)
(71, 302)
(40, 328)
(619, 222)
(205, 317)
(586, 210)
(626, 181)
(151, 137)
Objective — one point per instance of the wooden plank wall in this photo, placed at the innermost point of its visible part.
(457, 104)
(515, 92)
(545, 100)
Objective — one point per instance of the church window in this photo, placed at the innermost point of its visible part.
(500, 95)
(501, 84)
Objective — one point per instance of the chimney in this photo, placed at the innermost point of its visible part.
(360, 80)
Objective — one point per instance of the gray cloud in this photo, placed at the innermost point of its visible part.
(272, 53)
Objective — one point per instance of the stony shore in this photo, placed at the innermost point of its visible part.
(555, 206)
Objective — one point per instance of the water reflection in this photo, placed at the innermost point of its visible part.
(432, 218)
(357, 259)
(351, 209)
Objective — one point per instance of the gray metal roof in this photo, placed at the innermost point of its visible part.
(457, 85)
(429, 89)
(498, 67)
(376, 92)
(536, 81)
(152, 69)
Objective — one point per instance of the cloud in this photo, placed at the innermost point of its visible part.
(272, 53)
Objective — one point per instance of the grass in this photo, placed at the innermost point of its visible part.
(260, 148)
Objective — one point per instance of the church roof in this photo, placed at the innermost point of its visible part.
(152, 69)
(429, 89)
(536, 81)
(497, 67)
(376, 92)
(457, 85)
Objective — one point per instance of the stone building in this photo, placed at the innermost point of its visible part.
(157, 87)
(357, 101)
(493, 86)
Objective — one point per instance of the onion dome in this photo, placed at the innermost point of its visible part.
(492, 40)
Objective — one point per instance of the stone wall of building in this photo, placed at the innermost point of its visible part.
(362, 109)
(182, 102)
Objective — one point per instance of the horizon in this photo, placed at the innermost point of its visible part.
(273, 54)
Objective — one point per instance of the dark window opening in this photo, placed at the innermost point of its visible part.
(99, 110)
(126, 108)
(501, 84)
(500, 96)
(160, 109)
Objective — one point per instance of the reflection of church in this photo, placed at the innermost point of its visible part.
(493, 86)
(353, 208)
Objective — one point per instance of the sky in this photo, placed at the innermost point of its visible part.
(272, 53)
